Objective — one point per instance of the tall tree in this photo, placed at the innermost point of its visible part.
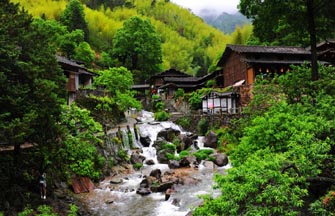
(301, 22)
(137, 47)
(74, 18)
(32, 84)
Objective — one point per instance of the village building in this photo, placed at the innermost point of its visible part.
(170, 80)
(240, 62)
(240, 66)
(78, 76)
(220, 102)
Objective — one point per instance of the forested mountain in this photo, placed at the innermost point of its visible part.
(225, 22)
(188, 43)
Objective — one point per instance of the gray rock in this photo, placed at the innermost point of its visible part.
(211, 140)
(220, 159)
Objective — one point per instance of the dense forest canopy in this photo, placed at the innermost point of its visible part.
(188, 43)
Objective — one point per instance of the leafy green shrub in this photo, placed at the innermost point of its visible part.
(123, 155)
(184, 153)
(203, 126)
(73, 210)
(26, 212)
(203, 154)
(211, 84)
(195, 100)
(155, 97)
(179, 94)
(45, 210)
(184, 122)
(159, 106)
(171, 156)
(79, 153)
(169, 146)
(137, 166)
(162, 116)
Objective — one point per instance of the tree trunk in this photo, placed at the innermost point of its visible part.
(312, 34)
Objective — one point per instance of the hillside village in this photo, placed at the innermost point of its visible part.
(240, 66)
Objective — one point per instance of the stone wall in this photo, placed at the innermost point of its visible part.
(213, 120)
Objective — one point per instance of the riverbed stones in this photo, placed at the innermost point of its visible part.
(185, 143)
(157, 173)
(168, 134)
(187, 161)
(145, 141)
(211, 140)
(149, 162)
(173, 164)
(143, 191)
(220, 159)
(116, 180)
(136, 158)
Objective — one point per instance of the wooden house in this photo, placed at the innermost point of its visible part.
(220, 102)
(78, 76)
(240, 62)
(326, 51)
(171, 80)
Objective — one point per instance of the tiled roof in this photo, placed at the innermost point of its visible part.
(268, 49)
(80, 68)
(263, 50)
(64, 60)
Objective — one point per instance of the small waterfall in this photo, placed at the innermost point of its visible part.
(121, 199)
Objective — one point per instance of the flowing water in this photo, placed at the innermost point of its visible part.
(121, 199)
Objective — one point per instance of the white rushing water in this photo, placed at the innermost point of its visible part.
(122, 200)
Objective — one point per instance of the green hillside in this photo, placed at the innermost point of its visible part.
(188, 43)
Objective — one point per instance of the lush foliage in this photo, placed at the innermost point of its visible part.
(137, 47)
(79, 153)
(73, 17)
(203, 126)
(195, 98)
(283, 152)
(117, 82)
(32, 84)
(184, 122)
(162, 116)
(203, 154)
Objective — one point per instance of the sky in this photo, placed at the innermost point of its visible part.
(229, 6)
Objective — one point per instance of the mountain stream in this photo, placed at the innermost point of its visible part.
(121, 199)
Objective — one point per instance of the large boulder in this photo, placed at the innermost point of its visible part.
(220, 159)
(143, 191)
(159, 144)
(145, 141)
(185, 143)
(157, 173)
(168, 134)
(187, 161)
(211, 140)
(150, 162)
(162, 155)
(82, 185)
(173, 164)
(161, 187)
(136, 158)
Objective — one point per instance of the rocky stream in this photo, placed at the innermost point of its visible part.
(161, 187)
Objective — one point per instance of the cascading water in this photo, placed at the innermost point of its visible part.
(120, 197)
